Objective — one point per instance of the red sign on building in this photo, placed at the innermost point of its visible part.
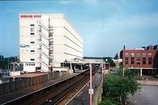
(30, 16)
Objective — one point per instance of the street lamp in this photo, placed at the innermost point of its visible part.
(0, 60)
(90, 90)
(102, 70)
(8, 63)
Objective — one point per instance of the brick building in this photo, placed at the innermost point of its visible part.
(143, 59)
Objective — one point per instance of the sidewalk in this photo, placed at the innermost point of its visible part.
(146, 96)
(149, 80)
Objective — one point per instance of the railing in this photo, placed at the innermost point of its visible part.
(44, 62)
(50, 28)
(43, 25)
(45, 37)
(46, 46)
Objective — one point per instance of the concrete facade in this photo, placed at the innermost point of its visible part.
(47, 40)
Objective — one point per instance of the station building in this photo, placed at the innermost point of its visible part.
(143, 59)
(47, 41)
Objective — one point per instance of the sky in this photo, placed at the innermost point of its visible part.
(104, 25)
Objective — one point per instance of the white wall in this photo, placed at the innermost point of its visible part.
(62, 46)
(28, 68)
(25, 39)
(65, 40)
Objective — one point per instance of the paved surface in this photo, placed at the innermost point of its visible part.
(27, 75)
(148, 94)
(149, 80)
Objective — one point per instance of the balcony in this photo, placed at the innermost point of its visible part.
(51, 46)
(51, 54)
(50, 28)
(51, 63)
(42, 25)
(51, 38)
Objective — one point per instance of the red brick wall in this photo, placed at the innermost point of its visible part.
(154, 58)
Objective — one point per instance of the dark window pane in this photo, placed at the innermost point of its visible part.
(32, 42)
(132, 62)
(32, 25)
(32, 59)
(32, 33)
(144, 62)
(32, 50)
(150, 62)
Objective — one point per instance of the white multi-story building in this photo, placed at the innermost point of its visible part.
(47, 40)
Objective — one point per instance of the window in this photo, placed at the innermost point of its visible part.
(126, 58)
(26, 64)
(32, 51)
(51, 43)
(32, 25)
(149, 58)
(32, 59)
(132, 58)
(138, 58)
(144, 58)
(32, 30)
(32, 42)
(30, 64)
(50, 52)
(32, 34)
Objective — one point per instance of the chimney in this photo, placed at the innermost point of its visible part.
(124, 47)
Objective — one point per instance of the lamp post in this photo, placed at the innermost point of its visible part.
(0, 60)
(102, 70)
(8, 63)
(90, 90)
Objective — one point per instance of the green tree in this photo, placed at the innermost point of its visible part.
(117, 86)
(107, 101)
(109, 59)
(5, 62)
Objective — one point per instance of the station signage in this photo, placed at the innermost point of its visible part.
(96, 61)
(24, 48)
(30, 16)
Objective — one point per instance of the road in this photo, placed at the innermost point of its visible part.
(147, 96)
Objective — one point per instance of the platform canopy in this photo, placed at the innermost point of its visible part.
(84, 61)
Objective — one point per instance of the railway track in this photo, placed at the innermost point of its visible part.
(57, 94)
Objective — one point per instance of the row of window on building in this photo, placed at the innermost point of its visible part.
(30, 64)
(32, 29)
(132, 58)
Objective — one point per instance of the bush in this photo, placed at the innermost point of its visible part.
(109, 102)
(156, 76)
(117, 87)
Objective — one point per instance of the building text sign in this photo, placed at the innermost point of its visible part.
(30, 16)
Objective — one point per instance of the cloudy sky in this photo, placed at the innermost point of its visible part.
(105, 25)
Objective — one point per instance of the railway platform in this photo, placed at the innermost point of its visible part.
(23, 92)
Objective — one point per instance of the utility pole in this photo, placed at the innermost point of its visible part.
(8, 63)
(90, 90)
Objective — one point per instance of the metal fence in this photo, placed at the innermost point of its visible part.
(21, 83)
